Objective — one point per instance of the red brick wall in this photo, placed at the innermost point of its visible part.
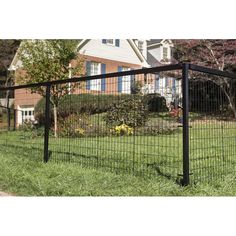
(25, 97)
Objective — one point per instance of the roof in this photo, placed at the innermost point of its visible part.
(157, 42)
(154, 41)
(132, 44)
(152, 61)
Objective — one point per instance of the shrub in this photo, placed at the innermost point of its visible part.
(136, 87)
(73, 126)
(155, 102)
(78, 104)
(157, 127)
(96, 104)
(31, 130)
(123, 130)
(131, 112)
(80, 125)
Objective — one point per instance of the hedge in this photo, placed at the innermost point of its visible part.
(95, 104)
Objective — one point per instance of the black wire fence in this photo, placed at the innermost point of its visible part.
(176, 121)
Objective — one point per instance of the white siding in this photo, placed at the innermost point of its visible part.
(156, 52)
(123, 53)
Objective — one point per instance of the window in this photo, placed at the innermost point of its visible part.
(140, 46)
(25, 114)
(165, 53)
(110, 41)
(126, 82)
(95, 69)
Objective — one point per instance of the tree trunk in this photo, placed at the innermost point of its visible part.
(55, 120)
(232, 106)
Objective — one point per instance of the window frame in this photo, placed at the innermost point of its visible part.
(163, 53)
(142, 46)
(95, 84)
(111, 44)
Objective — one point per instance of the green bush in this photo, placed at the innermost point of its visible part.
(78, 104)
(157, 127)
(31, 130)
(131, 112)
(155, 102)
(80, 125)
(96, 104)
(73, 126)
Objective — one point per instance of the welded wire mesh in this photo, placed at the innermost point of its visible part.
(212, 126)
(127, 126)
(127, 123)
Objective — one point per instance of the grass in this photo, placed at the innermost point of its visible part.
(123, 166)
(27, 177)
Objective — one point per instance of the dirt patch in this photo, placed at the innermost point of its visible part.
(3, 194)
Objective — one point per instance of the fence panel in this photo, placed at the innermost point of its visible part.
(212, 126)
(129, 122)
(126, 124)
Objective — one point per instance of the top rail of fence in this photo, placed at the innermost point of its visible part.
(151, 70)
(212, 71)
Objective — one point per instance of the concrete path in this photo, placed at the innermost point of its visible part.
(3, 194)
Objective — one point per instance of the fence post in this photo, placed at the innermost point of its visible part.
(14, 117)
(185, 104)
(47, 124)
(8, 118)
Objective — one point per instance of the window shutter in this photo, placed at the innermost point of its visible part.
(104, 41)
(157, 81)
(173, 84)
(117, 43)
(88, 67)
(103, 84)
(132, 77)
(119, 80)
(132, 82)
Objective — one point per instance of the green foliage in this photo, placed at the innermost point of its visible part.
(131, 112)
(73, 126)
(136, 87)
(30, 130)
(123, 130)
(80, 103)
(156, 126)
(155, 103)
(80, 125)
(49, 60)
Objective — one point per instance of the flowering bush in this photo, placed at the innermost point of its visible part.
(123, 130)
(132, 112)
(73, 126)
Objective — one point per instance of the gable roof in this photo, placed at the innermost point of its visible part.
(157, 42)
(80, 46)
(132, 45)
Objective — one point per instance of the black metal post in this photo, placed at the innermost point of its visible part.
(8, 118)
(47, 124)
(185, 104)
(14, 127)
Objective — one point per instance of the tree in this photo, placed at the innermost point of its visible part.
(218, 54)
(50, 60)
(8, 48)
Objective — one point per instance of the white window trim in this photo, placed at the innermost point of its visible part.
(21, 114)
(167, 53)
(111, 44)
(95, 84)
(124, 82)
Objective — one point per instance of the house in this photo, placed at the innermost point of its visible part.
(100, 56)
(159, 53)
(105, 56)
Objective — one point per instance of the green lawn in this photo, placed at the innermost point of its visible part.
(27, 177)
(127, 165)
